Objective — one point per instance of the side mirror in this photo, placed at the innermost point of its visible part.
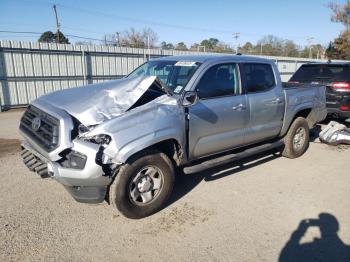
(189, 98)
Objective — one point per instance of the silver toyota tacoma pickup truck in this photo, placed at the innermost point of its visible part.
(123, 141)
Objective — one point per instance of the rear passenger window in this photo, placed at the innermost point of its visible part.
(257, 77)
(219, 80)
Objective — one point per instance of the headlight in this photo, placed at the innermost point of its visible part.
(99, 139)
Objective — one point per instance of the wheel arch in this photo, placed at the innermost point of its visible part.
(171, 147)
(305, 112)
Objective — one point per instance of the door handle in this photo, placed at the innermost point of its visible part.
(239, 107)
(276, 100)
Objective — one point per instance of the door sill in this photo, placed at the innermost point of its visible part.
(214, 161)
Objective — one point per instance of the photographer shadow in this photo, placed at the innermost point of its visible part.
(327, 248)
(185, 183)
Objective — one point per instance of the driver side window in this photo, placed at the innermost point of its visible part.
(219, 80)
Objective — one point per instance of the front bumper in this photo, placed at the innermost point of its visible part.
(88, 184)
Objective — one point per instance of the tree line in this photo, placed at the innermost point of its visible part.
(339, 48)
(271, 45)
(267, 45)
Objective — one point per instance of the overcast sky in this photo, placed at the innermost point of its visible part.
(175, 21)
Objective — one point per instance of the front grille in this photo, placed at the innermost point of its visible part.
(41, 127)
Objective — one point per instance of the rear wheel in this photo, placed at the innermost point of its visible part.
(296, 141)
(143, 185)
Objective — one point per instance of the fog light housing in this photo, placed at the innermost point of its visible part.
(74, 160)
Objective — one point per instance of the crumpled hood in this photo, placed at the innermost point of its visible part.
(93, 104)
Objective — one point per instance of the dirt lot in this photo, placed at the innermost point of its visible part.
(233, 213)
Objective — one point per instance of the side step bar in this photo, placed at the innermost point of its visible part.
(214, 162)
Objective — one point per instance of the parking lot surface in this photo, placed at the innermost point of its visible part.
(244, 211)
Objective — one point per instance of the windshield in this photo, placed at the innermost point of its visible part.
(310, 73)
(174, 74)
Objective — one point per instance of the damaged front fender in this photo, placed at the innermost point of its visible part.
(141, 127)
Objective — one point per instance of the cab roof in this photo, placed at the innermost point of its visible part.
(213, 58)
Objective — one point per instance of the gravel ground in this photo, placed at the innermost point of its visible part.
(233, 213)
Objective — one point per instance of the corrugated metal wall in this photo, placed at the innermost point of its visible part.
(29, 69)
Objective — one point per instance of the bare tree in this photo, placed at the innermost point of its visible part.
(341, 13)
(149, 37)
(109, 39)
(134, 38)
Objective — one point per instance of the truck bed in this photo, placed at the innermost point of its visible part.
(300, 96)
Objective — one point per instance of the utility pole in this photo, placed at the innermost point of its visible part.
(149, 50)
(236, 36)
(199, 48)
(58, 25)
(310, 40)
(118, 38)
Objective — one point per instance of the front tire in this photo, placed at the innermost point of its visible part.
(296, 141)
(143, 185)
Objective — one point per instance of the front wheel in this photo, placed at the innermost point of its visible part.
(296, 141)
(143, 185)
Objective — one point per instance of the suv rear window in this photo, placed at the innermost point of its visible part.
(322, 73)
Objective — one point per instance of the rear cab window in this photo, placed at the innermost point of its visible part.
(320, 73)
(257, 77)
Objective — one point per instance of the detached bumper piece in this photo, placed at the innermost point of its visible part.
(34, 163)
(335, 134)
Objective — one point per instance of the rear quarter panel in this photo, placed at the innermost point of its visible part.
(301, 98)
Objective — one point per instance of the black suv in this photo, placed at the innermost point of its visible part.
(336, 76)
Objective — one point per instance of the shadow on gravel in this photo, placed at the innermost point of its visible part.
(327, 248)
(339, 120)
(9, 146)
(186, 182)
(314, 133)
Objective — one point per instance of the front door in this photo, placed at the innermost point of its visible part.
(218, 121)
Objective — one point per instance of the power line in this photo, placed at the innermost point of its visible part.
(147, 22)
(68, 35)
(18, 32)
(131, 19)
(38, 33)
